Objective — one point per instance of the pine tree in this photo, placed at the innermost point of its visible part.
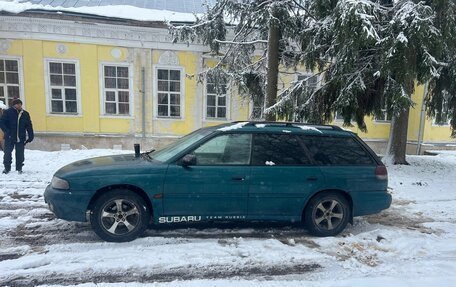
(250, 38)
(367, 52)
(443, 88)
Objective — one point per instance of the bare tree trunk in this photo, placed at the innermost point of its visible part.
(397, 143)
(273, 69)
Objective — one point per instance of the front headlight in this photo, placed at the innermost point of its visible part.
(59, 183)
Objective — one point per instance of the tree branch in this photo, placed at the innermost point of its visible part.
(242, 43)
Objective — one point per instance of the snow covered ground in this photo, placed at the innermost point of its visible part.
(411, 244)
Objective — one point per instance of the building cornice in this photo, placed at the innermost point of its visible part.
(32, 28)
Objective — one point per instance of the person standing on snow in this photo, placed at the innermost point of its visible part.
(15, 122)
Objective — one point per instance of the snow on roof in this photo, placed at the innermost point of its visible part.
(307, 128)
(233, 127)
(154, 10)
(183, 6)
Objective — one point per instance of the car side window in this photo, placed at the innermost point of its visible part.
(229, 149)
(278, 149)
(336, 151)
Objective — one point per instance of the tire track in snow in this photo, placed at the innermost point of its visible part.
(207, 272)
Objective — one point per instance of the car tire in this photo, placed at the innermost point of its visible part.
(327, 214)
(119, 216)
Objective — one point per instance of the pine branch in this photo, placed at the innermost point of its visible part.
(305, 9)
(242, 43)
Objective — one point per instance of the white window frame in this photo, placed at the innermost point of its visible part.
(21, 78)
(48, 87)
(444, 124)
(384, 110)
(336, 119)
(308, 76)
(182, 91)
(227, 104)
(251, 110)
(103, 113)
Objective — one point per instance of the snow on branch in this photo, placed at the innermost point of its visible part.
(363, 11)
(242, 43)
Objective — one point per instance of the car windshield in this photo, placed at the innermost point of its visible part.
(181, 144)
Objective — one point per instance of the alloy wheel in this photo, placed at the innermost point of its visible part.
(328, 214)
(120, 216)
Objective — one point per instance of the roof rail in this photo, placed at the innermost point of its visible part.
(291, 124)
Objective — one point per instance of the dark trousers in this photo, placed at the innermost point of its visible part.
(7, 158)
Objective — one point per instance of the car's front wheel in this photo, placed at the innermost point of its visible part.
(119, 216)
(327, 214)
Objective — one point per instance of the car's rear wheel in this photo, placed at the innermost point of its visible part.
(119, 216)
(327, 214)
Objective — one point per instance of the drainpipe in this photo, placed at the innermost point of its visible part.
(422, 118)
(143, 88)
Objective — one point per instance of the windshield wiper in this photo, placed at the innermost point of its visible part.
(146, 156)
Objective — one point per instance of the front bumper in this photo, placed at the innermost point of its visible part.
(67, 204)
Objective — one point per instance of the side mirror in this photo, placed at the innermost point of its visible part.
(189, 159)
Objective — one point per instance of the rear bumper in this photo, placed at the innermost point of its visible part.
(370, 202)
(66, 204)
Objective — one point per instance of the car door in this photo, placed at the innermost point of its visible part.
(282, 177)
(216, 185)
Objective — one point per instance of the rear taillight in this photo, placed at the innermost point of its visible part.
(381, 172)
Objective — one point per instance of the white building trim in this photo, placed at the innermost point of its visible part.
(155, 69)
(130, 67)
(228, 97)
(47, 89)
(21, 77)
(31, 28)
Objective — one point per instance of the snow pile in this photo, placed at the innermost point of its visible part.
(411, 244)
(115, 11)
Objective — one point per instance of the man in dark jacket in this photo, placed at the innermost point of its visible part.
(15, 123)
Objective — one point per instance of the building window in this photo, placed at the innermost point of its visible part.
(63, 87)
(257, 110)
(9, 80)
(338, 116)
(310, 84)
(116, 91)
(216, 98)
(445, 118)
(386, 115)
(169, 92)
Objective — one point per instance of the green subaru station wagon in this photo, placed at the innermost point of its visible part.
(319, 175)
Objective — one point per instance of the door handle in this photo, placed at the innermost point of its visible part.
(312, 178)
(238, 178)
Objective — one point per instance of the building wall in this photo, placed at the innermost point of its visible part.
(91, 123)
(34, 54)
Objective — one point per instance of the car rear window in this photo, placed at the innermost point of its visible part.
(336, 151)
(278, 149)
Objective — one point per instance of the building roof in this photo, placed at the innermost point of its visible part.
(140, 10)
(183, 6)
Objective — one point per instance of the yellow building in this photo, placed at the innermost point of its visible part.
(98, 81)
